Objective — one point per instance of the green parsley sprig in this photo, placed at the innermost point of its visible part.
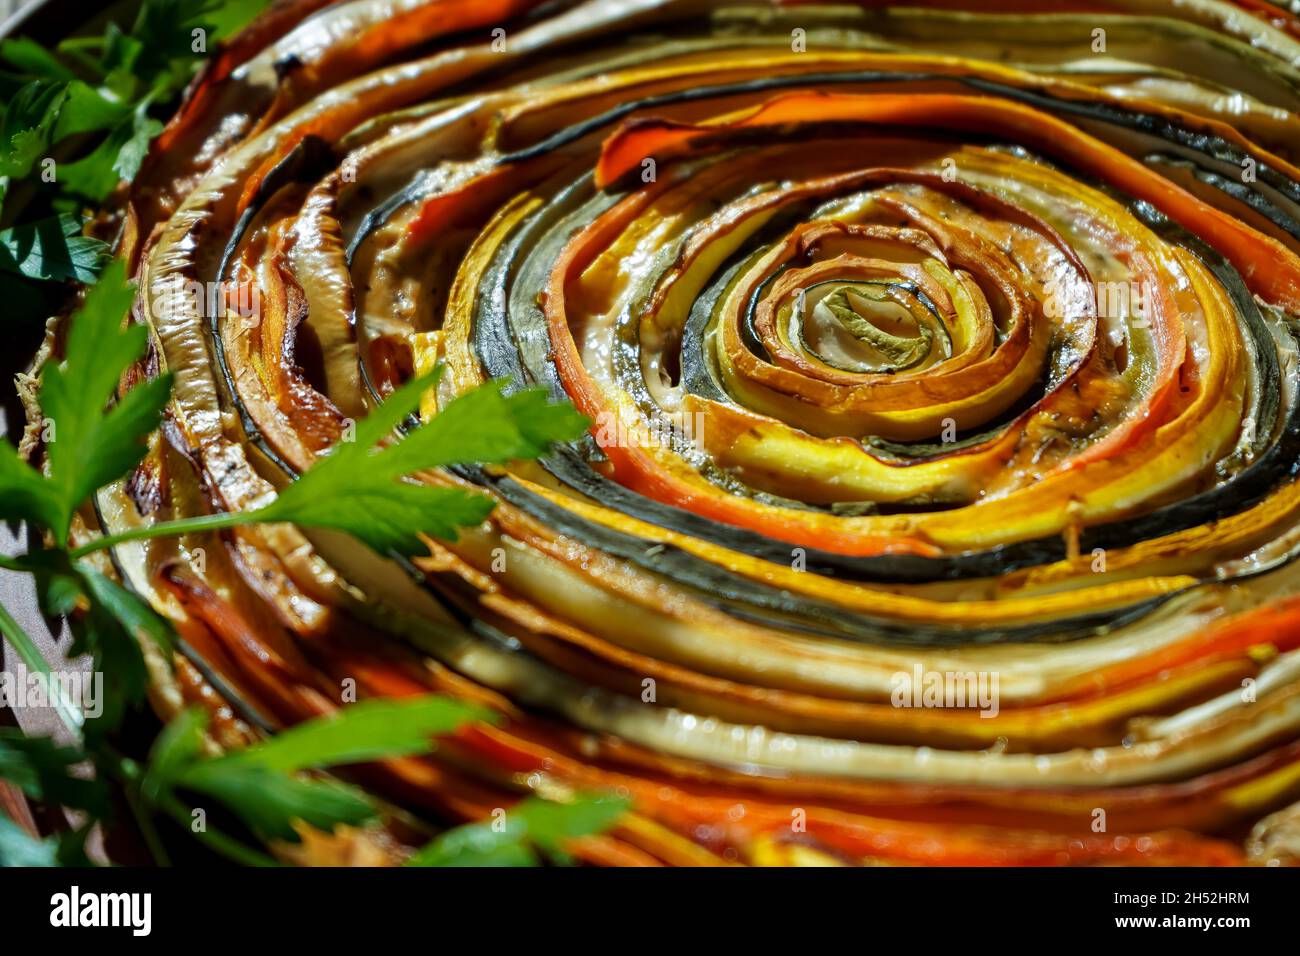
(77, 121)
(272, 788)
(95, 435)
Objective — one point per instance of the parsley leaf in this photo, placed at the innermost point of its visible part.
(270, 803)
(48, 772)
(486, 426)
(261, 785)
(88, 110)
(28, 126)
(20, 848)
(44, 770)
(117, 158)
(178, 745)
(24, 494)
(107, 86)
(32, 58)
(135, 146)
(228, 17)
(363, 731)
(170, 36)
(52, 249)
(531, 825)
(86, 447)
(386, 512)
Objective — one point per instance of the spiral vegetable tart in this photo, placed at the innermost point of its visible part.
(939, 499)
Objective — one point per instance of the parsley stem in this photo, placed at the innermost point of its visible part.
(35, 661)
(214, 522)
(81, 43)
(128, 773)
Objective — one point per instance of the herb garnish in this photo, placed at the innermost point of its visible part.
(93, 101)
